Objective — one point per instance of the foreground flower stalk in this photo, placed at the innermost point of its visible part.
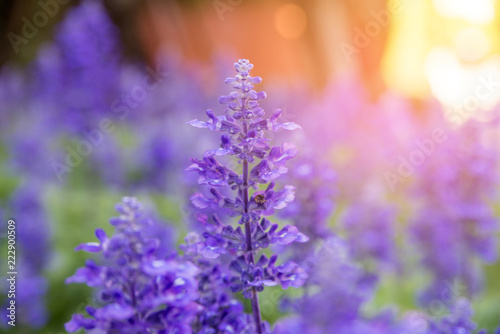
(140, 291)
(244, 136)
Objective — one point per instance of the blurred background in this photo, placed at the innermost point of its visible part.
(400, 98)
(394, 45)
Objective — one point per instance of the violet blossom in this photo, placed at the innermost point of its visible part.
(140, 291)
(222, 313)
(243, 129)
(455, 226)
(371, 232)
(32, 254)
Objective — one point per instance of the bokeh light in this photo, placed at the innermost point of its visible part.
(290, 21)
(477, 11)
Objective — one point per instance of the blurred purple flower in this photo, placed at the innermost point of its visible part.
(32, 254)
(455, 225)
(335, 292)
(84, 73)
(371, 232)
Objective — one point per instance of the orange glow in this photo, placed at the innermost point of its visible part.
(290, 21)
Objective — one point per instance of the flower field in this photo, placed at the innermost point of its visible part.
(223, 167)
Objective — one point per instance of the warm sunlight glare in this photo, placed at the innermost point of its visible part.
(474, 11)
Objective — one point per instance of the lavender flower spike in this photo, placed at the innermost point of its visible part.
(141, 292)
(243, 128)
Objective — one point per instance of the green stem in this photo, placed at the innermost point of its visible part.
(248, 237)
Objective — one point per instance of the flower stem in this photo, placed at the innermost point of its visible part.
(248, 237)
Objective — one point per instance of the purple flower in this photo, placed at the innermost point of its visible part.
(291, 274)
(33, 254)
(313, 204)
(371, 233)
(222, 313)
(244, 137)
(265, 202)
(211, 172)
(458, 320)
(336, 289)
(455, 225)
(141, 292)
(274, 166)
(86, 73)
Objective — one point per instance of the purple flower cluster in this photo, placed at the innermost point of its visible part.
(243, 128)
(314, 204)
(79, 75)
(140, 292)
(455, 225)
(336, 290)
(11, 94)
(371, 232)
(221, 312)
(32, 256)
(312, 208)
(336, 306)
(457, 320)
(142, 286)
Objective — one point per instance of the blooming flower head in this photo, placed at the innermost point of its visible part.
(244, 136)
(139, 291)
(222, 313)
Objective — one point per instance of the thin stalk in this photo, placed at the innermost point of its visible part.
(248, 237)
